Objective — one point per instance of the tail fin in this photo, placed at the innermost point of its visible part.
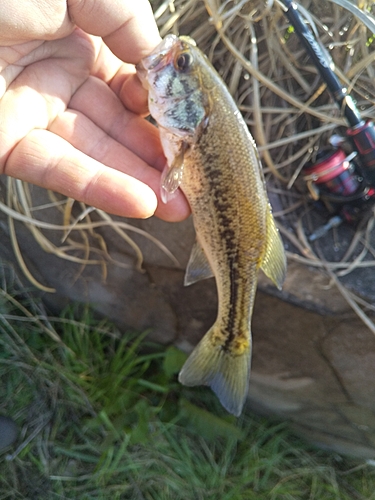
(226, 373)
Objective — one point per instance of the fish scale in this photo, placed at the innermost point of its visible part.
(218, 200)
(213, 158)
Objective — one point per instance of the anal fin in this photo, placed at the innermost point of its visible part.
(198, 267)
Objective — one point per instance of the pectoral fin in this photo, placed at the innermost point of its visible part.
(198, 267)
(171, 180)
(274, 259)
(172, 175)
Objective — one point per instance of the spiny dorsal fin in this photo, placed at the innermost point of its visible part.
(274, 259)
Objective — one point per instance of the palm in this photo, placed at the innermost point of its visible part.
(70, 120)
(46, 76)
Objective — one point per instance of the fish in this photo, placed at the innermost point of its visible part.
(211, 155)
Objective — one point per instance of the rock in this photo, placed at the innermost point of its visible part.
(317, 372)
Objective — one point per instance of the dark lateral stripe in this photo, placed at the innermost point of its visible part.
(233, 309)
(227, 235)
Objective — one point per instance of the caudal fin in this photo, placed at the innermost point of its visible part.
(227, 374)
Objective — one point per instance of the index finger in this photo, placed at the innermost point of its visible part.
(126, 26)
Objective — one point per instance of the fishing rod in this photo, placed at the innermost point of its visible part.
(345, 181)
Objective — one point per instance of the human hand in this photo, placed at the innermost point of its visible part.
(71, 112)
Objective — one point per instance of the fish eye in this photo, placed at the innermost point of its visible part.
(183, 62)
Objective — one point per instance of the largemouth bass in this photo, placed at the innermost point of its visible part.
(212, 156)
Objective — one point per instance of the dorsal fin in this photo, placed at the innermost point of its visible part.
(274, 259)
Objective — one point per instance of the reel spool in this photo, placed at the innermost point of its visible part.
(333, 177)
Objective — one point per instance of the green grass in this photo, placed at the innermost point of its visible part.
(102, 416)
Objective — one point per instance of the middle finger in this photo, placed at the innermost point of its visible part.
(101, 105)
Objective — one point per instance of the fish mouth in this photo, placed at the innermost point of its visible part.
(159, 57)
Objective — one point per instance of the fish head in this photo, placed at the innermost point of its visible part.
(173, 74)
